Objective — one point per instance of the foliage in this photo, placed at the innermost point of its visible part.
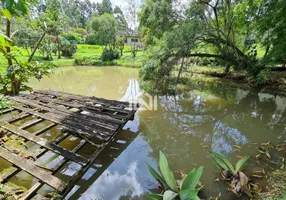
(104, 28)
(109, 55)
(185, 191)
(224, 164)
(120, 43)
(105, 7)
(22, 72)
(239, 181)
(3, 103)
(263, 76)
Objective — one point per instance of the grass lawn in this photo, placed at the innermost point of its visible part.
(86, 55)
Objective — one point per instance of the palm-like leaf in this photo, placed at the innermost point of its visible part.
(240, 163)
(155, 196)
(167, 173)
(189, 194)
(158, 177)
(169, 195)
(192, 180)
(222, 162)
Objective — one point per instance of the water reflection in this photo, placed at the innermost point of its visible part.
(211, 115)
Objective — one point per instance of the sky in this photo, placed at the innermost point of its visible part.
(120, 3)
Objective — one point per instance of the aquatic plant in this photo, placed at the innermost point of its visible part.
(3, 102)
(185, 189)
(239, 180)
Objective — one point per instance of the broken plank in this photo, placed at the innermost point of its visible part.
(67, 126)
(33, 170)
(44, 143)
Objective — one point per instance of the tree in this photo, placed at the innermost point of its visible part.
(156, 17)
(17, 9)
(272, 30)
(121, 21)
(104, 28)
(121, 44)
(104, 7)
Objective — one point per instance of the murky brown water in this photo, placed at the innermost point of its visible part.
(211, 115)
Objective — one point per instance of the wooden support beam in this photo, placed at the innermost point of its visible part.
(31, 123)
(44, 143)
(33, 170)
(44, 129)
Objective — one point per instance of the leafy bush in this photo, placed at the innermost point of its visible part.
(263, 76)
(185, 191)
(68, 48)
(91, 39)
(109, 55)
(22, 72)
(82, 60)
(3, 103)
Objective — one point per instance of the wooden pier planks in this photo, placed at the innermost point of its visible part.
(48, 145)
(95, 121)
(30, 168)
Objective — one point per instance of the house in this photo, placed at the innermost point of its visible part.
(133, 41)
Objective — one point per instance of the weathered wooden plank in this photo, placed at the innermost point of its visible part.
(5, 176)
(83, 98)
(44, 143)
(78, 104)
(68, 126)
(44, 129)
(2, 112)
(97, 119)
(33, 170)
(31, 123)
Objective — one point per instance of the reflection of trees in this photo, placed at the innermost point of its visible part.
(214, 115)
(107, 82)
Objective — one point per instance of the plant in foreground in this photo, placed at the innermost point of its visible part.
(239, 180)
(186, 190)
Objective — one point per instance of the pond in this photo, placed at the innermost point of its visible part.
(212, 115)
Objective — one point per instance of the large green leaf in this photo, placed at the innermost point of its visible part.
(169, 195)
(155, 196)
(240, 163)
(192, 180)
(189, 194)
(6, 14)
(222, 162)
(167, 173)
(157, 176)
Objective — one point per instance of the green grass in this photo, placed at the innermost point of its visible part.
(88, 54)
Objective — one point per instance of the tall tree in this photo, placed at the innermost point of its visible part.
(121, 21)
(156, 17)
(104, 7)
(104, 28)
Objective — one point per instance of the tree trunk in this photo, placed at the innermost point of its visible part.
(14, 88)
(36, 47)
(59, 50)
(181, 70)
(227, 68)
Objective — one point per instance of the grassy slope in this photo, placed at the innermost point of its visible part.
(84, 51)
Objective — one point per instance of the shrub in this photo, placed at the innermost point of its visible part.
(109, 55)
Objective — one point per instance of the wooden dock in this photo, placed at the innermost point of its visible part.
(94, 121)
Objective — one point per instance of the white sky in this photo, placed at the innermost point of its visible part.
(120, 3)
